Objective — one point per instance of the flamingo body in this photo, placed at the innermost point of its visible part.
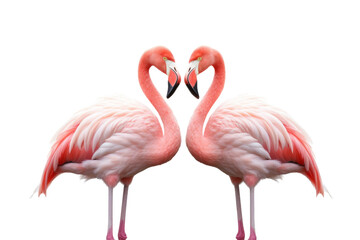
(114, 137)
(251, 138)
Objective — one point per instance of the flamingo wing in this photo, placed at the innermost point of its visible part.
(269, 133)
(106, 129)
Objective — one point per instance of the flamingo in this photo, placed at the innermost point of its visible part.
(244, 137)
(118, 138)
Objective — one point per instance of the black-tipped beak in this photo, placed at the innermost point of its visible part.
(173, 81)
(193, 90)
(172, 89)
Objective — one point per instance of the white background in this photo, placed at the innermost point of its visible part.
(57, 57)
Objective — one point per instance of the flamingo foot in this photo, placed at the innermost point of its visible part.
(122, 234)
(109, 235)
(241, 233)
(252, 234)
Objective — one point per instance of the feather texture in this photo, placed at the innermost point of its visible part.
(256, 138)
(101, 140)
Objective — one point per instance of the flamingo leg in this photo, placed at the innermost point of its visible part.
(122, 234)
(252, 214)
(109, 235)
(241, 233)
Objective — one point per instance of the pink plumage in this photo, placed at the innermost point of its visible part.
(271, 135)
(101, 141)
(118, 138)
(244, 137)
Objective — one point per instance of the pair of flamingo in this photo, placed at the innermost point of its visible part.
(118, 138)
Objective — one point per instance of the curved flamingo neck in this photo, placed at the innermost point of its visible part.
(170, 142)
(195, 140)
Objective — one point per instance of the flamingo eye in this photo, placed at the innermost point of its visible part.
(164, 58)
(199, 58)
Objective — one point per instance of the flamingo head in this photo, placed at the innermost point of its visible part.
(162, 59)
(200, 60)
